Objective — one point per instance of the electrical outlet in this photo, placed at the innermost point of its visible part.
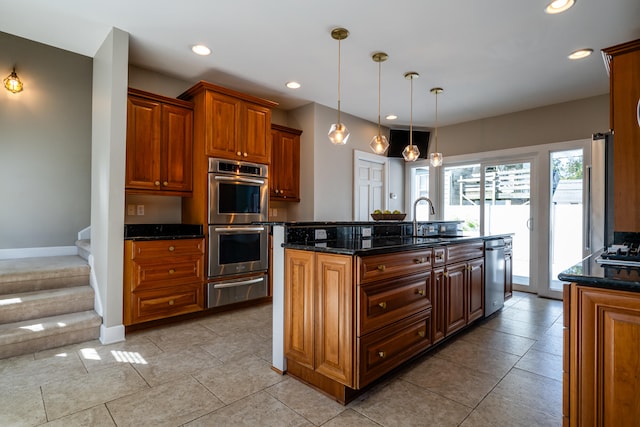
(275, 212)
(366, 232)
(320, 234)
(140, 209)
(131, 210)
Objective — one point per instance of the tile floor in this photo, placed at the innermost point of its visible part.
(215, 371)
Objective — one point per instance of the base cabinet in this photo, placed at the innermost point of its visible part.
(601, 381)
(162, 278)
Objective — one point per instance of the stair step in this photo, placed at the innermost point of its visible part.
(50, 302)
(38, 273)
(48, 332)
(84, 248)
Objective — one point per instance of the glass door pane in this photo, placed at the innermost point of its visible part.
(462, 197)
(420, 188)
(566, 214)
(507, 209)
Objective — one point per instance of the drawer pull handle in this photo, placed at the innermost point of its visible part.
(421, 333)
(381, 267)
(383, 305)
(420, 260)
(171, 271)
(445, 274)
(171, 302)
(172, 248)
(420, 291)
(382, 354)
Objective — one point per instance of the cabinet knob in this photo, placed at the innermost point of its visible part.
(172, 248)
(383, 304)
(445, 274)
(277, 191)
(165, 183)
(244, 154)
(171, 302)
(171, 271)
(382, 354)
(239, 153)
(381, 267)
(156, 183)
(421, 334)
(420, 291)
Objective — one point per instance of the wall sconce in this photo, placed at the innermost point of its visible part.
(13, 83)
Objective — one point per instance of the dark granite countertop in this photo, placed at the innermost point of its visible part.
(381, 245)
(588, 272)
(162, 231)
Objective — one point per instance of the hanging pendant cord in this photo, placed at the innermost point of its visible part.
(379, 71)
(339, 42)
(411, 117)
(437, 122)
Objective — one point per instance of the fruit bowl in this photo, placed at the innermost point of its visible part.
(388, 217)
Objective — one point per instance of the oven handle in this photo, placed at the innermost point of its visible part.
(234, 178)
(238, 229)
(240, 283)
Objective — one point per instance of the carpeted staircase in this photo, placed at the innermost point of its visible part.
(45, 302)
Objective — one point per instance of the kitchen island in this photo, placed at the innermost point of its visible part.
(356, 300)
(601, 380)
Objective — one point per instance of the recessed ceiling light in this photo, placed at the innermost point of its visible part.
(293, 85)
(391, 117)
(580, 53)
(200, 49)
(559, 6)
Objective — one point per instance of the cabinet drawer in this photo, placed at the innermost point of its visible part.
(165, 248)
(378, 267)
(387, 348)
(464, 251)
(164, 272)
(388, 302)
(161, 303)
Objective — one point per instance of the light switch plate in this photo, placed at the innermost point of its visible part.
(131, 210)
(320, 234)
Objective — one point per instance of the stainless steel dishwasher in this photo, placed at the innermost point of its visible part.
(493, 275)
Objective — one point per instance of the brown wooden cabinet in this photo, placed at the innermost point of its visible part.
(284, 174)
(162, 278)
(623, 63)
(601, 365)
(159, 144)
(231, 125)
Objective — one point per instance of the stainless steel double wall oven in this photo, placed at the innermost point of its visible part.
(238, 243)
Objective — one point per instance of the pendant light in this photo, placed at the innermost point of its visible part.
(338, 133)
(436, 158)
(12, 83)
(379, 143)
(411, 152)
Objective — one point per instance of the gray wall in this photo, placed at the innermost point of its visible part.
(45, 145)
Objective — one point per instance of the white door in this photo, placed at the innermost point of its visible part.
(369, 186)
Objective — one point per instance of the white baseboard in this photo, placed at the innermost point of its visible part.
(38, 252)
(112, 334)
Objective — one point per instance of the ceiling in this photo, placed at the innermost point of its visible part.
(492, 57)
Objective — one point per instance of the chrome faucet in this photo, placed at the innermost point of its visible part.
(415, 205)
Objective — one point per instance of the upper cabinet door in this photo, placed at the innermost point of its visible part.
(222, 125)
(177, 148)
(284, 179)
(255, 134)
(143, 144)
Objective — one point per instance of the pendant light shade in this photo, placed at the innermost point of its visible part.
(12, 83)
(379, 143)
(436, 158)
(338, 133)
(411, 152)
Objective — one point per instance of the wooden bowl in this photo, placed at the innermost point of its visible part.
(388, 217)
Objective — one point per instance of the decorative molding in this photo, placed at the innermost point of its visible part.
(110, 335)
(38, 252)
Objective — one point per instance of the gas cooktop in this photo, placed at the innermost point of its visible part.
(626, 254)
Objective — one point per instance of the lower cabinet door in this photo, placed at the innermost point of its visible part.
(387, 348)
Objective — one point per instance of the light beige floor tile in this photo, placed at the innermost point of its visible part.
(550, 343)
(515, 327)
(168, 366)
(29, 371)
(496, 410)
(81, 392)
(259, 409)
(231, 323)
(306, 401)
(399, 403)
(236, 346)
(456, 382)
(539, 392)
(540, 317)
(98, 416)
(478, 357)
(21, 406)
(498, 340)
(179, 336)
(238, 379)
(542, 363)
(350, 418)
(170, 404)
